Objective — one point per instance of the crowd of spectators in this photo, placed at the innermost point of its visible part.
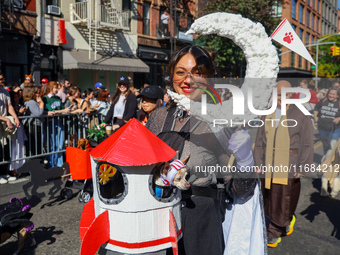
(47, 125)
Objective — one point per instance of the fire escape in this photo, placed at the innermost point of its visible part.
(96, 15)
(6, 14)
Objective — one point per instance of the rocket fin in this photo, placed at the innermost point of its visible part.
(97, 234)
(87, 217)
(173, 233)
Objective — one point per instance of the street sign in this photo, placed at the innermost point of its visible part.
(316, 79)
(312, 67)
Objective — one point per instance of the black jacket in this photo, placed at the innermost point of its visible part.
(129, 111)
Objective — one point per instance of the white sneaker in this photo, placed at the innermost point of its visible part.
(12, 179)
(3, 180)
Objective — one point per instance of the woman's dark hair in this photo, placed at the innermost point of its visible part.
(204, 64)
(142, 114)
(117, 93)
(87, 92)
(12, 94)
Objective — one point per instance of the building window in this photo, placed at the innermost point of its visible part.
(53, 2)
(308, 2)
(300, 33)
(294, 27)
(300, 62)
(307, 38)
(146, 18)
(126, 5)
(293, 9)
(318, 7)
(314, 4)
(308, 18)
(301, 13)
(313, 20)
(292, 59)
(312, 39)
(277, 9)
(181, 22)
(317, 25)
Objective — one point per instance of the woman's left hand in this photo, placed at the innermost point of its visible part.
(336, 120)
(22, 110)
(240, 144)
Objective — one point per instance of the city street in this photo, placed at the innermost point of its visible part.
(74, 72)
(317, 229)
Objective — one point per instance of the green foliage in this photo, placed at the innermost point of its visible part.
(328, 65)
(229, 57)
(96, 133)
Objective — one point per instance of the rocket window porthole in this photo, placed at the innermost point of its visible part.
(111, 182)
(161, 193)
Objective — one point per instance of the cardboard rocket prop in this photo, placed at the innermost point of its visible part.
(285, 35)
(125, 215)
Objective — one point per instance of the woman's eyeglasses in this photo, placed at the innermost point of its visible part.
(181, 75)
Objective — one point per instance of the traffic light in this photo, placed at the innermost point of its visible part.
(335, 50)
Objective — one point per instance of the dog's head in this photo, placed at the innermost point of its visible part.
(83, 144)
(174, 173)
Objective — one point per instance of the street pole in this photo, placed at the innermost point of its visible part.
(316, 66)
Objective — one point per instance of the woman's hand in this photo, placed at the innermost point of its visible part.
(9, 124)
(336, 120)
(22, 110)
(67, 110)
(50, 113)
(115, 127)
(240, 144)
(297, 175)
(39, 100)
(17, 122)
(316, 119)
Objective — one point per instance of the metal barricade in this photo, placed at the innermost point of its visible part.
(47, 135)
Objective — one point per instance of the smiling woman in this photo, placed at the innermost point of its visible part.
(205, 207)
(257, 47)
(187, 69)
(189, 72)
(123, 106)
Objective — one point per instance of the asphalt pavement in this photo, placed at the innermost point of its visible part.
(317, 228)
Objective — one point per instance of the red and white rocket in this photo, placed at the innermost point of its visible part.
(124, 214)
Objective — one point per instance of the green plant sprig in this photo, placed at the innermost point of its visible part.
(96, 133)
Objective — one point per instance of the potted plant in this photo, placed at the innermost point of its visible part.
(96, 135)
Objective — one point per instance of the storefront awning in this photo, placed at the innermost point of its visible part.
(80, 60)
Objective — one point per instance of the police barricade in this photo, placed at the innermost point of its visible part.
(45, 135)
